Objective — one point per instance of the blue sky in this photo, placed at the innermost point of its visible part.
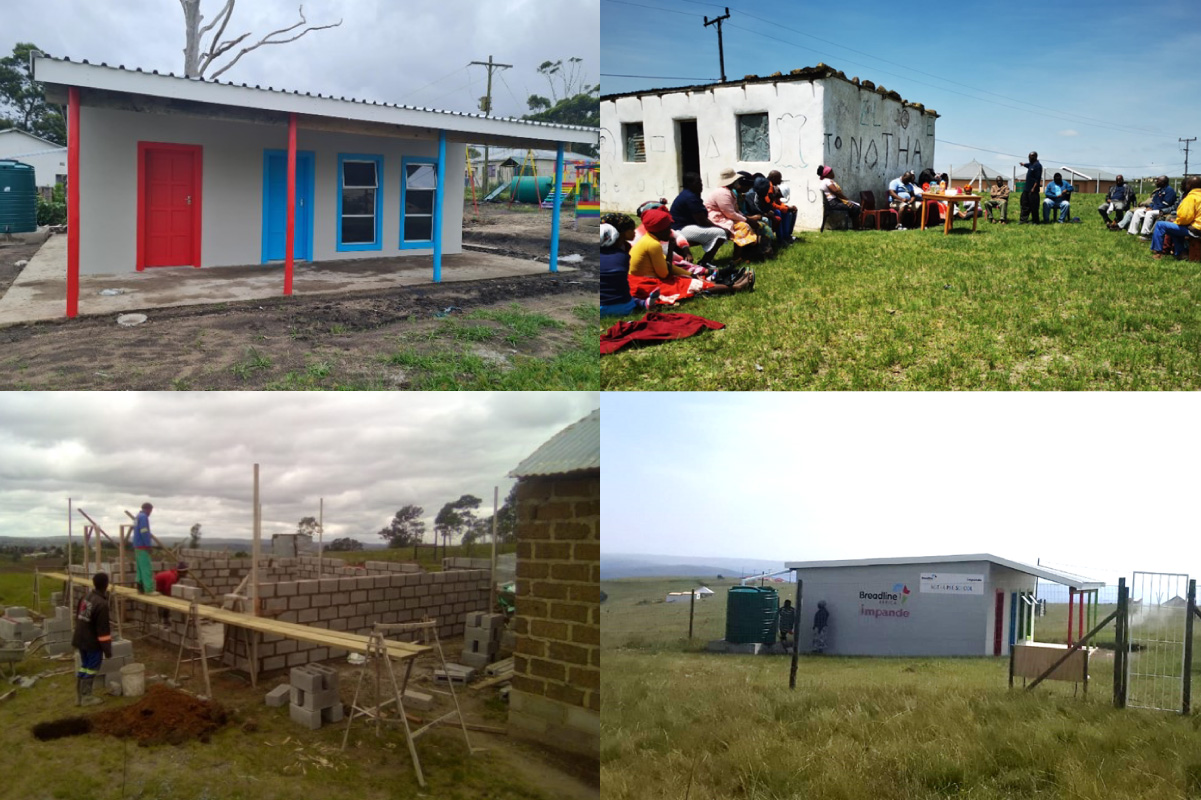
(1090, 85)
(1096, 483)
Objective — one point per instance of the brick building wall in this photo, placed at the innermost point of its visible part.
(555, 696)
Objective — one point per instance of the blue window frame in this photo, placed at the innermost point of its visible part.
(418, 202)
(360, 202)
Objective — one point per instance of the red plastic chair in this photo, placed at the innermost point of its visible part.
(868, 201)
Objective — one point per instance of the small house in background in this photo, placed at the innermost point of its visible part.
(49, 160)
(792, 123)
(555, 695)
(970, 605)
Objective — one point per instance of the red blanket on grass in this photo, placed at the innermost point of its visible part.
(654, 327)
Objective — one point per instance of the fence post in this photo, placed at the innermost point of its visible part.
(691, 606)
(1187, 706)
(796, 636)
(1121, 646)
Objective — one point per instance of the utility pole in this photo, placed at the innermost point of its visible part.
(1186, 144)
(491, 65)
(721, 53)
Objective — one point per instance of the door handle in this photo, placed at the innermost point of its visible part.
(189, 199)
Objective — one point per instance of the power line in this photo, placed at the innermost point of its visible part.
(654, 77)
(1049, 159)
(654, 8)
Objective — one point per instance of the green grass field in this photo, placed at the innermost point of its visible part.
(681, 723)
(1010, 307)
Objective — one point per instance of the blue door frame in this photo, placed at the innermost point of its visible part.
(275, 189)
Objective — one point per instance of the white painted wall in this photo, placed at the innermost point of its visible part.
(232, 209)
(867, 138)
(49, 162)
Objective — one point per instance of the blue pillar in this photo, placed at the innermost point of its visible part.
(558, 204)
(438, 196)
(1013, 614)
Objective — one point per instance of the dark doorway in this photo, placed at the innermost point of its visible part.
(690, 147)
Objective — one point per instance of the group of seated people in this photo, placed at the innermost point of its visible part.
(905, 198)
(1163, 219)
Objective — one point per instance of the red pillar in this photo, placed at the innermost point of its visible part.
(1080, 617)
(72, 202)
(290, 242)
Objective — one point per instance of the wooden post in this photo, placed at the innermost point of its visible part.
(1121, 645)
(492, 590)
(98, 554)
(796, 635)
(1187, 705)
(254, 563)
(691, 606)
(320, 534)
(70, 587)
(120, 604)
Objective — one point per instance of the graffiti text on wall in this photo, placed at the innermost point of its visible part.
(893, 150)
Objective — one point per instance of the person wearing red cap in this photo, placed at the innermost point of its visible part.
(649, 269)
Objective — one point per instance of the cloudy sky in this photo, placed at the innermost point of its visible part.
(192, 455)
(1086, 83)
(1100, 483)
(386, 50)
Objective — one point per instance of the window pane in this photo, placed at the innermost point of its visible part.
(635, 146)
(419, 202)
(358, 173)
(753, 141)
(358, 201)
(421, 176)
(358, 230)
(419, 229)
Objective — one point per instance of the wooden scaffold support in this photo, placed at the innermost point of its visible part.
(379, 662)
(193, 627)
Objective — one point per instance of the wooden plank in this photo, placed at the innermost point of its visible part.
(342, 640)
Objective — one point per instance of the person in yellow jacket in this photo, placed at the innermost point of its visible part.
(1188, 218)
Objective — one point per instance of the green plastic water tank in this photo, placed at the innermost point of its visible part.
(18, 198)
(751, 615)
(532, 189)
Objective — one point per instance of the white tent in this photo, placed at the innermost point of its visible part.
(704, 592)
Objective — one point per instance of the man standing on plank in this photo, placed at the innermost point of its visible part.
(142, 544)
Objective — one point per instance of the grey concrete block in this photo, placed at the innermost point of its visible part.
(477, 660)
(459, 673)
(419, 701)
(58, 648)
(17, 612)
(332, 713)
(305, 717)
(278, 697)
(114, 687)
(305, 679)
(329, 675)
(122, 647)
(314, 701)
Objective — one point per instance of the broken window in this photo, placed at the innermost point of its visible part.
(635, 142)
(754, 143)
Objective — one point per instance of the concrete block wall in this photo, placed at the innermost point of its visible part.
(555, 696)
(355, 604)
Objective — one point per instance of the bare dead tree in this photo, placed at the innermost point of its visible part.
(198, 58)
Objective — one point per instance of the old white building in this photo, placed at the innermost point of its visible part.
(49, 160)
(792, 123)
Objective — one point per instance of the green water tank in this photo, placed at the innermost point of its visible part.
(532, 189)
(751, 615)
(18, 198)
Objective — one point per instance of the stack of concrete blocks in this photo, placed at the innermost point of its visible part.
(110, 668)
(57, 630)
(481, 638)
(17, 626)
(314, 696)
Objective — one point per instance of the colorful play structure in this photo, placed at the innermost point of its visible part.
(581, 186)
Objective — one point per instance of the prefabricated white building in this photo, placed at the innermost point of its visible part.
(177, 171)
(792, 123)
(961, 605)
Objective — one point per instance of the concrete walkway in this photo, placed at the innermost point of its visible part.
(40, 291)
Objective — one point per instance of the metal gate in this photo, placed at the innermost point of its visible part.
(1155, 661)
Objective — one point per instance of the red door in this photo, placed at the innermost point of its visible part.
(168, 205)
(998, 623)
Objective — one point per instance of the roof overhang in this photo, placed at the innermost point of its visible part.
(147, 91)
(1046, 573)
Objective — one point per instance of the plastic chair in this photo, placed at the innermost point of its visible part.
(827, 211)
(868, 201)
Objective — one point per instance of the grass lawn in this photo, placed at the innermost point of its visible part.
(1010, 307)
(679, 722)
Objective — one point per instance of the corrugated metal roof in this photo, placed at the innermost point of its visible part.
(273, 91)
(573, 449)
(1046, 573)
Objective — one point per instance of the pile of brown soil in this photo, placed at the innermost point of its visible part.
(164, 715)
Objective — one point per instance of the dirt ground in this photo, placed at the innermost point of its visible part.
(372, 340)
(258, 753)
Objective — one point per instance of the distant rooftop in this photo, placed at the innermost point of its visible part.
(576, 448)
(1046, 573)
